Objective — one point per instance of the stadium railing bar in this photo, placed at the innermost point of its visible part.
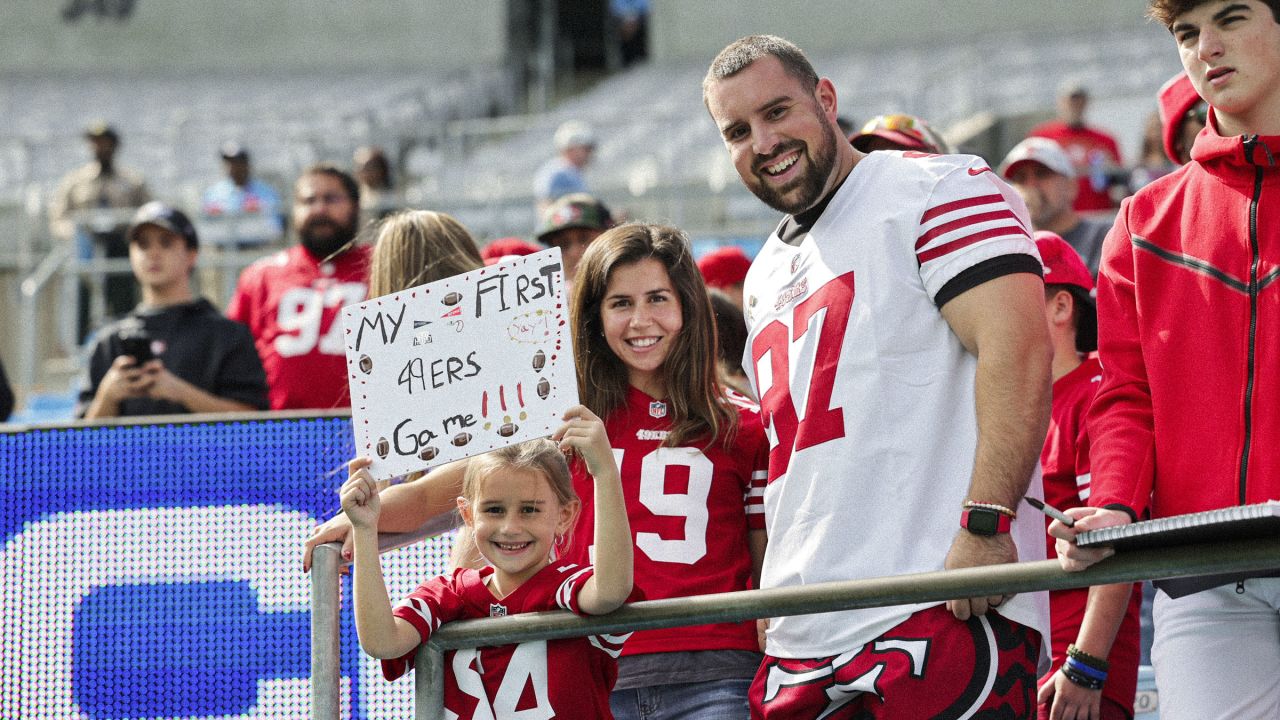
(1241, 556)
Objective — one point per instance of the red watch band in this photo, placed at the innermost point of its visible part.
(985, 521)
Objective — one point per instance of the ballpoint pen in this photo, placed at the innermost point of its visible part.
(1050, 510)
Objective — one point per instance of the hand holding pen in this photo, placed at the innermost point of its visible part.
(1050, 510)
(1067, 525)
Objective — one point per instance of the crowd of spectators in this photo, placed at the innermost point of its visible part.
(951, 281)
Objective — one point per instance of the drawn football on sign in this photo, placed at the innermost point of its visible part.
(508, 429)
(428, 453)
(544, 388)
(366, 364)
(461, 439)
(539, 360)
(383, 448)
(452, 298)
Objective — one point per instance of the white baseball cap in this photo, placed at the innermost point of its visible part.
(574, 133)
(1040, 150)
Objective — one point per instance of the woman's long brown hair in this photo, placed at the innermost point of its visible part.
(697, 403)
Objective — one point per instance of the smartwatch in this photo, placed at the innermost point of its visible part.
(985, 521)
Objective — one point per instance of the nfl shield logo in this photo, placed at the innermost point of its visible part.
(657, 409)
(496, 610)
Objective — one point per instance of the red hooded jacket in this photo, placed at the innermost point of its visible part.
(1188, 414)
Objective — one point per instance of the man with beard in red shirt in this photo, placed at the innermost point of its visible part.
(291, 300)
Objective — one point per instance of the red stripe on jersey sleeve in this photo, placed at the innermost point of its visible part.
(957, 244)
(566, 595)
(755, 500)
(1002, 214)
(955, 205)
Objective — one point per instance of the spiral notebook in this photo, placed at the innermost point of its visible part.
(1234, 523)
(1242, 522)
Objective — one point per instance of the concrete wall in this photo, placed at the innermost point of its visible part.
(149, 36)
(695, 30)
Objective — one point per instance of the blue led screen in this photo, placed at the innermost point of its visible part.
(154, 571)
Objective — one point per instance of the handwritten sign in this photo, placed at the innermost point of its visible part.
(461, 366)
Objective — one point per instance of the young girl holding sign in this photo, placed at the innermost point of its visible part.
(521, 506)
(692, 458)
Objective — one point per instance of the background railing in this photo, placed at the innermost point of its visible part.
(1151, 564)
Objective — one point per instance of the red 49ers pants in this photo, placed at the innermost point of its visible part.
(929, 666)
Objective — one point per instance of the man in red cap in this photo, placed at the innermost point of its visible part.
(504, 248)
(724, 269)
(1112, 609)
(899, 131)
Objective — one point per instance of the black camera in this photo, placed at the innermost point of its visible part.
(136, 343)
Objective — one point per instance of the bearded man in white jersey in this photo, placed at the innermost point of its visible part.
(899, 350)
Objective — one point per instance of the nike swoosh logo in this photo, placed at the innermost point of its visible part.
(979, 171)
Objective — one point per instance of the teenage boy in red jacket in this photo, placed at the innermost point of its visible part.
(1189, 335)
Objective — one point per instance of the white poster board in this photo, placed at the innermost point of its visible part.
(462, 366)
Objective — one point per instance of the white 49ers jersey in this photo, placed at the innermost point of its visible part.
(867, 396)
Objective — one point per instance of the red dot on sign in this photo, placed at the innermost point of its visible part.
(412, 294)
(553, 357)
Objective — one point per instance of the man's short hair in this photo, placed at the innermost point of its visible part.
(1168, 11)
(348, 182)
(741, 53)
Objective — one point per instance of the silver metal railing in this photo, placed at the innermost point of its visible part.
(1242, 556)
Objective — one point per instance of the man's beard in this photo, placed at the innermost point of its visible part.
(822, 160)
(324, 245)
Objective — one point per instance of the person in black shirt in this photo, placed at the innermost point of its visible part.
(173, 353)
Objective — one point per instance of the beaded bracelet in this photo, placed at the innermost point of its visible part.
(1082, 675)
(1085, 658)
(990, 506)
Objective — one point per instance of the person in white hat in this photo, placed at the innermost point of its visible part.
(1041, 172)
(562, 175)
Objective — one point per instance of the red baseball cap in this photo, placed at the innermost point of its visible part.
(908, 132)
(503, 248)
(1177, 97)
(724, 267)
(1063, 266)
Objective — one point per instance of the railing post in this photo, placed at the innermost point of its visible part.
(326, 654)
(428, 683)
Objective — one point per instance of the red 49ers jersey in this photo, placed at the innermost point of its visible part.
(1065, 460)
(690, 509)
(866, 393)
(568, 678)
(290, 303)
